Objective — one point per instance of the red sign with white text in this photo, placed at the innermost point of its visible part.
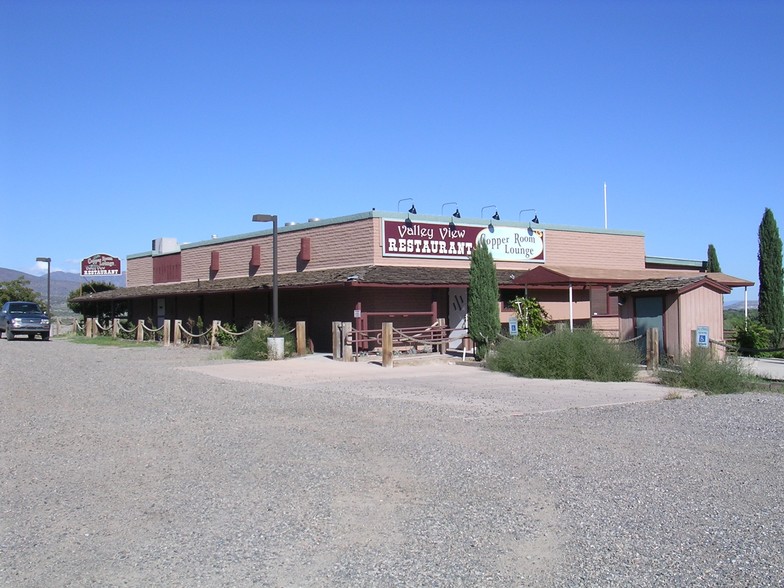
(418, 239)
(415, 239)
(101, 264)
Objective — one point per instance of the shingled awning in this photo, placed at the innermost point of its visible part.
(357, 276)
(592, 276)
(680, 285)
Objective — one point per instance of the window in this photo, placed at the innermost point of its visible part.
(601, 303)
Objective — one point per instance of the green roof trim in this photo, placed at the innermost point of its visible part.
(688, 263)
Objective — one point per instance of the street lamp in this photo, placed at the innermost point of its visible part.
(273, 218)
(48, 261)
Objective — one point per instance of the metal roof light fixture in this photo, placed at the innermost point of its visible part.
(411, 210)
(496, 216)
(455, 214)
(533, 220)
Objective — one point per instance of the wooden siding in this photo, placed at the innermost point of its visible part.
(359, 242)
(626, 319)
(670, 321)
(331, 246)
(569, 248)
(701, 307)
(566, 248)
(138, 271)
(556, 303)
(166, 268)
(609, 326)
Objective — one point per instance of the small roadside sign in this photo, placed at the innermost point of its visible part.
(703, 337)
(513, 326)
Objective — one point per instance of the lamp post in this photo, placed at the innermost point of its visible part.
(48, 261)
(273, 218)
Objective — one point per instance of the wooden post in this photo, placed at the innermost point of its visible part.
(386, 345)
(177, 331)
(302, 342)
(337, 345)
(348, 352)
(652, 349)
(115, 328)
(214, 334)
(442, 333)
(167, 332)
(140, 331)
(88, 327)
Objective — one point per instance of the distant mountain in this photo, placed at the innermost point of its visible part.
(62, 284)
(738, 305)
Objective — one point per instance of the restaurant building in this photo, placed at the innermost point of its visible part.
(412, 269)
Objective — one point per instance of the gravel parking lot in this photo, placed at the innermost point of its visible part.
(176, 467)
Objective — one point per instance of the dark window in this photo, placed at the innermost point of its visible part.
(600, 303)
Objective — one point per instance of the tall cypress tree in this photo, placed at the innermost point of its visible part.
(713, 260)
(484, 320)
(771, 277)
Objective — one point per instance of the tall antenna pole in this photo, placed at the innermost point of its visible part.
(605, 205)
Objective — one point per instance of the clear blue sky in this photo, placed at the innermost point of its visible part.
(122, 121)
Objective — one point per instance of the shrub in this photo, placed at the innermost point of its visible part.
(701, 371)
(253, 345)
(226, 336)
(579, 355)
(533, 320)
(751, 336)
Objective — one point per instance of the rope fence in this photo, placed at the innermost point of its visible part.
(174, 332)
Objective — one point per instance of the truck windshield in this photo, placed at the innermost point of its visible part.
(26, 307)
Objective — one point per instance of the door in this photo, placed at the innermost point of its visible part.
(649, 314)
(161, 312)
(458, 307)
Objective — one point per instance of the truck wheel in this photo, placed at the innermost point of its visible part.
(44, 336)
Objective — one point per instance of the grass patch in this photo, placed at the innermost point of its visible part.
(579, 355)
(110, 342)
(700, 371)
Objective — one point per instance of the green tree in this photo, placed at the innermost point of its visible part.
(771, 277)
(713, 260)
(102, 310)
(484, 320)
(532, 318)
(19, 289)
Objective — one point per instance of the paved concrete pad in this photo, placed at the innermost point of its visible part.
(772, 369)
(472, 388)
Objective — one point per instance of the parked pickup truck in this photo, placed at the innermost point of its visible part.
(23, 318)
